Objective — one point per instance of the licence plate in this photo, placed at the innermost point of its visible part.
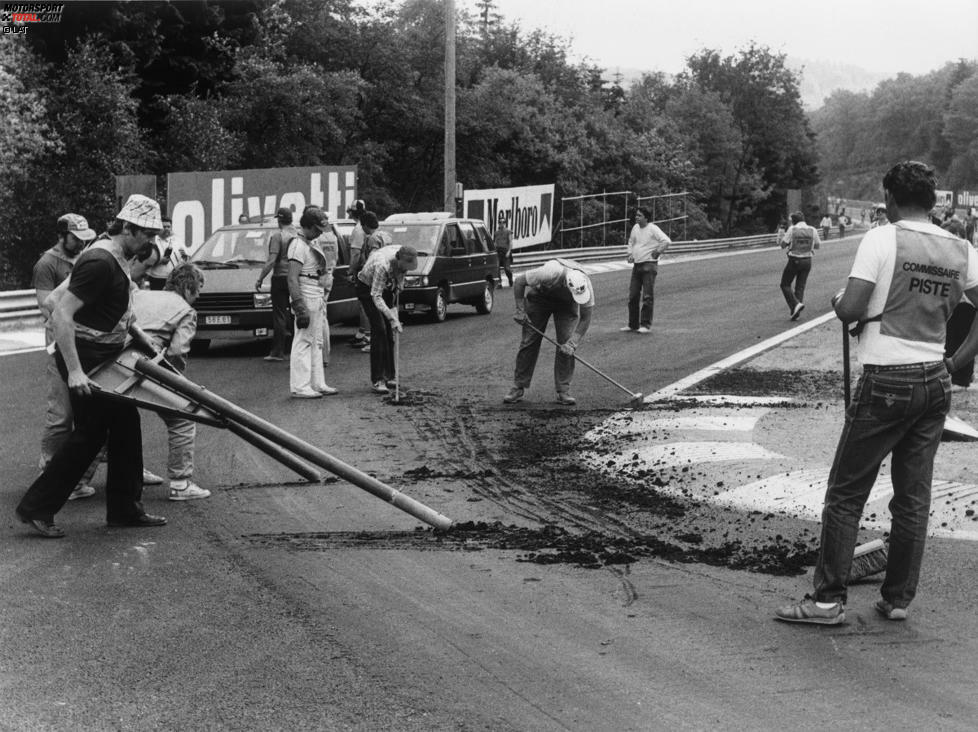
(408, 306)
(217, 320)
(261, 332)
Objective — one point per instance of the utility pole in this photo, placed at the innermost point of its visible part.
(449, 194)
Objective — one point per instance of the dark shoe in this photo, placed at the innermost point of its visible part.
(515, 395)
(47, 529)
(142, 519)
(807, 611)
(566, 399)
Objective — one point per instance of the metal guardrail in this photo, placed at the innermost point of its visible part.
(19, 307)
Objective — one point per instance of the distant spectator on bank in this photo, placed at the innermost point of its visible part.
(825, 225)
(879, 216)
(278, 264)
(799, 242)
(843, 222)
(502, 240)
(167, 314)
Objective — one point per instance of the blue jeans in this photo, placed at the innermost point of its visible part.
(796, 270)
(640, 291)
(898, 411)
(538, 312)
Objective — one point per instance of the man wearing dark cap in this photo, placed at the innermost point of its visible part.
(278, 264)
(51, 270)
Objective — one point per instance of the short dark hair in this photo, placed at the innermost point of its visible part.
(797, 217)
(644, 211)
(912, 183)
(185, 279)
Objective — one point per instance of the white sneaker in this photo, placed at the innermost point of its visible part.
(626, 329)
(643, 330)
(151, 478)
(380, 388)
(83, 490)
(327, 390)
(186, 490)
(307, 394)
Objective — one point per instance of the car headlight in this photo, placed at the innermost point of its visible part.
(416, 281)
(263, 299)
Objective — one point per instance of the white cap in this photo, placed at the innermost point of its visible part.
(579, 286)
(142, 211)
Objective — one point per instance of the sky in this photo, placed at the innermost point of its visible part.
(887, 36)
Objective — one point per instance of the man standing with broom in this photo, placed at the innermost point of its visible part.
(906, 279)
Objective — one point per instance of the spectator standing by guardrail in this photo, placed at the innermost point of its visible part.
(91, 323)
(799, 241)
(502, 240)
(646, 243)
(51, 270)
(905, 280)
(278, 264)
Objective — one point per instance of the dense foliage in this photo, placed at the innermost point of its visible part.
(933, 118)
(157, 87)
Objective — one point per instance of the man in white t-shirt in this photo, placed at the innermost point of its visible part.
(646, 243)
(906, 279)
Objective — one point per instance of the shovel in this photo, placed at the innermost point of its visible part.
(637, 398)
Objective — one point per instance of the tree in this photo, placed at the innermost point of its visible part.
(777, 146)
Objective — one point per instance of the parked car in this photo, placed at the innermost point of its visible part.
(229, 307)
(456, 262)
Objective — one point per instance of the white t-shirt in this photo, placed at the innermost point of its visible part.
(313, 263)
(875, 260)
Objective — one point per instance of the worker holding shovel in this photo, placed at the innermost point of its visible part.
(561, 289)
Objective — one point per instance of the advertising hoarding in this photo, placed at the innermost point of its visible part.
(528, 211)
(202, 202)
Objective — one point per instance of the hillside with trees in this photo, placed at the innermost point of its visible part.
(157, 87)
(933, 118)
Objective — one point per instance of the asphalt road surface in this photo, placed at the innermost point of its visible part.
(282, 605)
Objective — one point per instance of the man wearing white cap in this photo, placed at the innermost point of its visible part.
(559, 288)
(92, 321)
(51, 270)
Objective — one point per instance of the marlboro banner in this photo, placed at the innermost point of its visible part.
(201, 203)
(528, 211)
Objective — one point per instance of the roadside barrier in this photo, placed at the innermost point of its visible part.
(18, 308)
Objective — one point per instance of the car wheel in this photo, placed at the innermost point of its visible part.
(484, 306)
(439, 308)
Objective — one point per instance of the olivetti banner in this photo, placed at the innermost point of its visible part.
(201, 203)
(528, 211)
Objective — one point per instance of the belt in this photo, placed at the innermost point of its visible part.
(922, 367)
(310, 276)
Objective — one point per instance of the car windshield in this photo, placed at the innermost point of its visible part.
(423, 237)
(233, 249)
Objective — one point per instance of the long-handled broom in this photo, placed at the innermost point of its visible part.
(869, 558)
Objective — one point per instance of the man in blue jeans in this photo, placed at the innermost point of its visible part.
(906, 279)
(646, 243)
